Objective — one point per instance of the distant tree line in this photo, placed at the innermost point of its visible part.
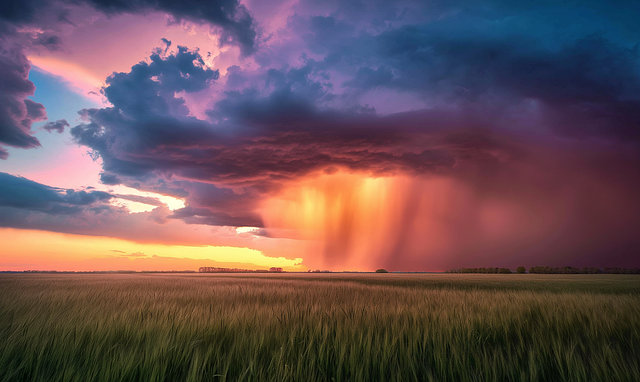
(551, 270)
(585, 270)
(479, 270)
(54, 271)
(237, 270)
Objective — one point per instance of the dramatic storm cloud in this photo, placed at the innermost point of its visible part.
(406, 134)
(28, 25)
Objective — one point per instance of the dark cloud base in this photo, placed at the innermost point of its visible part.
(20, 193)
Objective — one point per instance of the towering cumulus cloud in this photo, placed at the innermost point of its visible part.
(402, 134)
(29, 25)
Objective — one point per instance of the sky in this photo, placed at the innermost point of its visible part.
(305, 134)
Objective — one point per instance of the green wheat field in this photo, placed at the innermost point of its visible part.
(319, 327)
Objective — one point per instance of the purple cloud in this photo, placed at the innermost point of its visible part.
(57, 126)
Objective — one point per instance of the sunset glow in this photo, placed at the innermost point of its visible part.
(366, 221)
(311, 136)
(38, 250)
(137, 204)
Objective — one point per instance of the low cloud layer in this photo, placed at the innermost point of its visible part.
(20, 193)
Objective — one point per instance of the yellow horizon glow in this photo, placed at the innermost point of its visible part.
(42, 250)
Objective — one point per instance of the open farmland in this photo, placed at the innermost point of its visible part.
(319, 327)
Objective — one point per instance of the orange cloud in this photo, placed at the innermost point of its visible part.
(363, 221)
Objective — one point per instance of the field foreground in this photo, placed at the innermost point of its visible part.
(319, 327)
